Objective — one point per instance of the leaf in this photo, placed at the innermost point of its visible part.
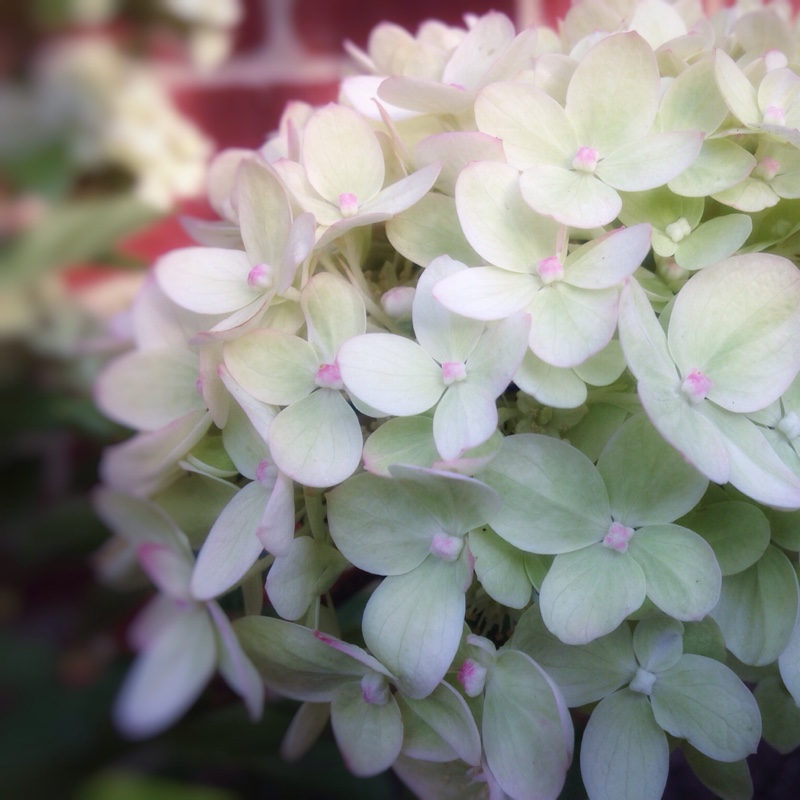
(589, 592)
(522, 714)
(779, 713)
(704, 702)
(624, 753)
(758, 607)
(728, 780)
(554, 500)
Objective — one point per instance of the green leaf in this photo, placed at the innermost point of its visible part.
(779, 713)
(729, 781)
(704, 702)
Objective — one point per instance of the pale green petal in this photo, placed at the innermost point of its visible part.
(789, 663)
(369, 736)
(498, 354)
(498, 223)
(148, 389)
(206, 280)
(624, 753)
(557, 387)
(307, 571)
(780, 715)
(554, 500)
(533, 127)
(232, 546)
(569, 324)
(264, 214)
(342, 155)
(465, 418)
(478, 50)
(693, 101)
(648, 481)
(758, 607)
(574, 198)
(736, 89)
(614, 94)
(738, 533)
(720, 165)
(704, 702)
(402, 194)
(658, 642)
(585, 673)
(334, 313)
(273, 367)
(589, 592)
(522, 715)
(713, 241)
(293, 660)
(487, 293)
(317, 441)
(413, 624)
(392, 374)
(243, 442)
(651, 162)
(400, 440)
(750, 195)
(443, 335)
(683, 577)
(447, 713)
(168, 676)
(430, 228)
(728, 780)
(500, 568)
(607, 260)
(377, 527)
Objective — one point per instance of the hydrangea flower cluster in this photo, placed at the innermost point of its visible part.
(491, 369)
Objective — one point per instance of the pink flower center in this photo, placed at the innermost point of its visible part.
(348, 204)
(550, 269)
(472, 676)
(266, 472)
(775, 115)
(374, 689)
(696, 385)
(618, 537)
(329, 376)
(261, 277)
(447, 547)
(766, 169)
(453, 372)
(585, 159)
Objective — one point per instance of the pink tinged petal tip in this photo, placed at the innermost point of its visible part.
(472, 676)
(696, 386)
(618, 537)
(775, 59)
(775, 115)
(789, 426)
(643, 682)
(348, 204)
(329, 376)
(453, 372)
(375, 689)
(550, 269)
(766, 169)
(261, 277)
(585, 159)
(447, 547)
(678, 230)
(198, 385)
(397, 302)
(459, 86)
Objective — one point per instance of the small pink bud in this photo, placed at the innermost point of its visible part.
(329, 376)
(453, 372)
(472, 676)
(618, 537)
(374, 689)
(585, 159)
(348, 204)
(789, 426)
(696, 386)
(397, 302)
(775, 115)
(447, 547)
(766, 169)
(261, 277)
(550, 269)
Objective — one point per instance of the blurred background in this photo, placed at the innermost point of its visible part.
(109, 113)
